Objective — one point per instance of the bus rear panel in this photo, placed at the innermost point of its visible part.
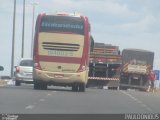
(61, 52)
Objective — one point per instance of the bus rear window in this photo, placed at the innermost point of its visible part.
(62, 24)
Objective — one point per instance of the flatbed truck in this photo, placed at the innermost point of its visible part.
(104, 66)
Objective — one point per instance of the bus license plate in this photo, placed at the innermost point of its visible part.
(58, 75)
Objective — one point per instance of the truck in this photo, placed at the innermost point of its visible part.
(1, 68)
(104, 66)
(136, 64)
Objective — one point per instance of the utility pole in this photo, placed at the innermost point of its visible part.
(33, 4)
(13, 39)
(23, 28)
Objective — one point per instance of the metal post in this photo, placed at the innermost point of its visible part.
(13, 39)
(23, 28)
(107, 69)
(129, 81)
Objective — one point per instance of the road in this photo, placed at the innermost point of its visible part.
(24, 99)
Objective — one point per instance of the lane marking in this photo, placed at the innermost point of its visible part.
(35, 103)
(143, 105)
(138, 101)
(49, 94)
(30, 107)
(149, 109)
(54, 91)
(42, 100)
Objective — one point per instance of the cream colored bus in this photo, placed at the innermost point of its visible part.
(61, 51)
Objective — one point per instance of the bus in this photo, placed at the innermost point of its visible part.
(61, 51)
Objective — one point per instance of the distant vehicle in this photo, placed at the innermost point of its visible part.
(6, 77)
(61, 51)
(1, 68)
(104, 66)
(136, 64)
(24, 71)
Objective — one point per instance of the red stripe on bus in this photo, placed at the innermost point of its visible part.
(59, 59)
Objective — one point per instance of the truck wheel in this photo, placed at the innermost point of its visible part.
(17, 83)
(82, 87)
(87, 86)
(123, 88)
(113, 88)
(100, 87)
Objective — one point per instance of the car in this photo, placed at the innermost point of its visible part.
(24, 71)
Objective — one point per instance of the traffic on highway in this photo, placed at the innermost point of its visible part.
(102, 60)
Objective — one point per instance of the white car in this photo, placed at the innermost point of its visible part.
(24, 70)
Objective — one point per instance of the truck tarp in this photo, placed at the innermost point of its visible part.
(137, 56)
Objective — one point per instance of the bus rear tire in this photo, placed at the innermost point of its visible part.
(79, 87)
(36, 85)
(75, 87)
(82, 87)
(40, 85)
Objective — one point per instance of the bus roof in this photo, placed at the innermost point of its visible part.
(75, 14)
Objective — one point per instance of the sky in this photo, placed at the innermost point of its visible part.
(123, 23)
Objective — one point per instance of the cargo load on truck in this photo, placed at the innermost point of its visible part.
(136, 64)
(104, 66)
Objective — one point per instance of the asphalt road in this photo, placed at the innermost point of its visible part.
(60, 100)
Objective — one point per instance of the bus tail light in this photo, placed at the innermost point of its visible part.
(36, 62)
(82, 68)
(17, 69)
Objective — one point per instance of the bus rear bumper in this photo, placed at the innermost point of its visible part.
(59, 77)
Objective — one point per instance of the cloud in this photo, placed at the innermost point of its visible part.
(87, 6)
(112, 8)
(62, 2)
(140, 26)
(7, 4)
